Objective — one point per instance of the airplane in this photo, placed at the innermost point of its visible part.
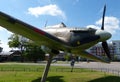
(60, 37)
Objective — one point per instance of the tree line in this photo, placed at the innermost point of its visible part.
(30, 51)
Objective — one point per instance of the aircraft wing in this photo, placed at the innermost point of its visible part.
(29, 31)
(94, 57)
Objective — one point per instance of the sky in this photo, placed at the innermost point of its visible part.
(74, 13)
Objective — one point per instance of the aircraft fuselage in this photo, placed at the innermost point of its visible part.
(78, 38)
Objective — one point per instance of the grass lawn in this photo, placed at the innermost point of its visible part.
(30, 73)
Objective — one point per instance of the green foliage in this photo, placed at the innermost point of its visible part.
(28, 48)
(33, 52)
(14, 41)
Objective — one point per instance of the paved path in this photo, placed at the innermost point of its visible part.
(112, 65)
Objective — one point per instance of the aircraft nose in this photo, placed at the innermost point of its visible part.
(104, 35)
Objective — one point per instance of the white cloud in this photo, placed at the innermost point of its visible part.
(112, 24)
(1, 28)
(4, 32)
(5, 46)
(51, 9)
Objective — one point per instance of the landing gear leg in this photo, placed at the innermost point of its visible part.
(46, 70)
(51, 52)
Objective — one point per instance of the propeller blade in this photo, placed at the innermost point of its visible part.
(102, 27)
(106, 49)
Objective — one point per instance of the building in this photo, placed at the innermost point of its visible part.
(114, 48)
(10, 56)
(60, 56)
(4, 56)
(116, 45)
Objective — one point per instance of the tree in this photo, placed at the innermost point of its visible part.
(23, 42)
(17, 41)
(33, 52)
(27, 47)
(14, 41)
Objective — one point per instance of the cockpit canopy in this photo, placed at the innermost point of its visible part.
(61, 25)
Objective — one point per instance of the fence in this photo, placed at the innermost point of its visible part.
(21, 69)
(105, 70)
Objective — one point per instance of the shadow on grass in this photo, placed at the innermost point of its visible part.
(107, 79)
(51, 79)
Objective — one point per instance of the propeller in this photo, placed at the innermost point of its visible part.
(103, 17)
(104, 44)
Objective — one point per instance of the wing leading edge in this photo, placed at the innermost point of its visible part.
(29, 31)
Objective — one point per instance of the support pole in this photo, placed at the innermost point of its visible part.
(46, 70)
